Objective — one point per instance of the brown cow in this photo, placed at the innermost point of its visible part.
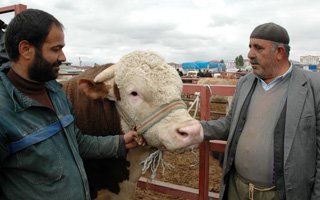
(147, 91)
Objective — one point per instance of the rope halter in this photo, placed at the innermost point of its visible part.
(160, 113)
(154, 159)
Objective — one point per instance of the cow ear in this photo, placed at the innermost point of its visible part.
(93, 90)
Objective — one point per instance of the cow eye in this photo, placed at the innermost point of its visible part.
(134, 93)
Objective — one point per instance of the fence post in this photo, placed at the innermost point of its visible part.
(204, 149)
(18, 8)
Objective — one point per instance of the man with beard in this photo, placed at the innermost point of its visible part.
(40, 145)
(273, 126)
(3, 55)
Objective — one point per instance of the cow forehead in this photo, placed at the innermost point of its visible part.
(142, 61)
(148, 68)
(136, 58)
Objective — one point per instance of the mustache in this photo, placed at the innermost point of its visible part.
(254, 62)
(57, 63)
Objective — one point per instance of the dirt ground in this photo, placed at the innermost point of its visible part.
(185, 172)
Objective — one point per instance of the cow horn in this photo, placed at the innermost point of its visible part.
(105, 74)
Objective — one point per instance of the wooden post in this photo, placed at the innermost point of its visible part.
(204, 149)
(18, 8)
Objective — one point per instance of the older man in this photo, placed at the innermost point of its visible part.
(273, 126)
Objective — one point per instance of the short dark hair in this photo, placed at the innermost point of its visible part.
(31, 25)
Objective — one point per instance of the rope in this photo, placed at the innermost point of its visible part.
(196, 103)
(152, 162)
(159, 114)
(124, 115)
(196, 160)
(208, 86)
(252, 188)
(166, 165)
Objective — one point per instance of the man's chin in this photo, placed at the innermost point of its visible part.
(254, 66)
(56, 72)
(56, 69)
(256, 71)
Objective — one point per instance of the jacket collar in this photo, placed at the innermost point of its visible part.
(20, 101)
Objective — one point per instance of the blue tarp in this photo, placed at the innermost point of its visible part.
(202, 65)
(313, 67)
(195, 65)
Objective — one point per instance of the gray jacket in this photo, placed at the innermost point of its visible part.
(302, 133)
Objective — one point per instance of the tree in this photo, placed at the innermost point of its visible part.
(223, 68)
(239, 62)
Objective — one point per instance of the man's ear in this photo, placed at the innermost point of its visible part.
(26, 50)
(281, 53)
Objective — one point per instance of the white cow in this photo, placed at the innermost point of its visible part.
(146, 92)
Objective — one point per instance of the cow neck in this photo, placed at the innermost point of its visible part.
(153, 118)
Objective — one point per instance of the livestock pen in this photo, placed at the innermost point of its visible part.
(205, 149)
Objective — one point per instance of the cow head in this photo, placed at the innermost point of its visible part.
(147, 92)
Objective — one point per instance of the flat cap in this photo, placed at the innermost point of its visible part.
(271, 31)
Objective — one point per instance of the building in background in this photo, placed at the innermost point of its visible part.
(310, 63)
(309, 60)
(231, 65)
(67, 71)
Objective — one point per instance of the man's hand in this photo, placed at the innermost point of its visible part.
(132, 140)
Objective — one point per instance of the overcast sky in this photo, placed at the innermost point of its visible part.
(102, 31)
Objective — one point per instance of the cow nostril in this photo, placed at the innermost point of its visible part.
(182, 133)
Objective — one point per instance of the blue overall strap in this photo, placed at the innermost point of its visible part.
(40, 135)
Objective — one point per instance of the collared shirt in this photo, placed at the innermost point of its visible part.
(277, 80)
